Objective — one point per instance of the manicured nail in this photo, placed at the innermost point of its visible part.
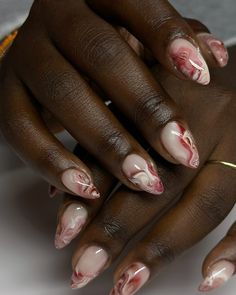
(90, 264)
(132, 280)
(218, 275)
(79, 183)
(188, 60)
(179, 143)
(70, 225)
(217, 48)
(142, 174)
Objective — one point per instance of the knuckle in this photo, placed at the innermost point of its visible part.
(113, 228)
(61, 87)
(154, 108)
(212, 205)
(114, 142)
(162, 250)
(101, 48)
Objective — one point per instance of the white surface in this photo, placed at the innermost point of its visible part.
(31, 266)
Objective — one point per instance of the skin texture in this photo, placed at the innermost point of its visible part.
(66, 60)
(193, 204)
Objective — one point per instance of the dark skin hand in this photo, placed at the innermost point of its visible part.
(193, 204)
(67, 57)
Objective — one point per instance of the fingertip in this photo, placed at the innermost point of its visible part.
(78, 182)
(218, 274)
(216, 48)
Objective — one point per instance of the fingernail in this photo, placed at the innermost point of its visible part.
(70, 225)
(142, 174)
(188, 60)
(180, 144)
(216, 47)
(90, 264)
(79, 183)
(132, 280)
(218, 275)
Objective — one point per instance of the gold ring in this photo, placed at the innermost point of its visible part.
(227, 164)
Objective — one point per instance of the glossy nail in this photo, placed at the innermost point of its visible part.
(188, 60)
(217, 48)
(142, 174)
(71, 223)
(218, 275)
(79, 183)
(132, 280)
(90, 264)
(180, 144)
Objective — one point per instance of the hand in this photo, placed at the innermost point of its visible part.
(60, 51)
(194, 202)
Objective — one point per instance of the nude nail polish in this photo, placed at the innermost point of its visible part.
(70, 225)
(216, 47)
(189, 61)
(79, 183)
(142, 174)
(90, 264)
(218, 275)
(180, 144)
(132, 280)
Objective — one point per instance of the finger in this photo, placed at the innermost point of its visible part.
(214, 50)
(74, 215)
(220, 264)
(101, 54)
(127, 212)
(203, 206)
(25, 131)
(59, 87)
(161, 29)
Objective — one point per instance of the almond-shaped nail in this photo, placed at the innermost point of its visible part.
(142, 174)
(180, 144)
(79, 183)
(70, 225)
(189, 61)
(89, 266)
(216, 47)
(131, 280)
(218, 275)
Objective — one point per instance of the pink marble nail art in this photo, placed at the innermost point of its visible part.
(79, 183)
(188, 60)
(219, 274)
(142, 174)
(70, 225)
(132, 280)
(216, 47)
(180, 144)
(90, 264)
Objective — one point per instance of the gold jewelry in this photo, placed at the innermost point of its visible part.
(6, 42)
(227, 164)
